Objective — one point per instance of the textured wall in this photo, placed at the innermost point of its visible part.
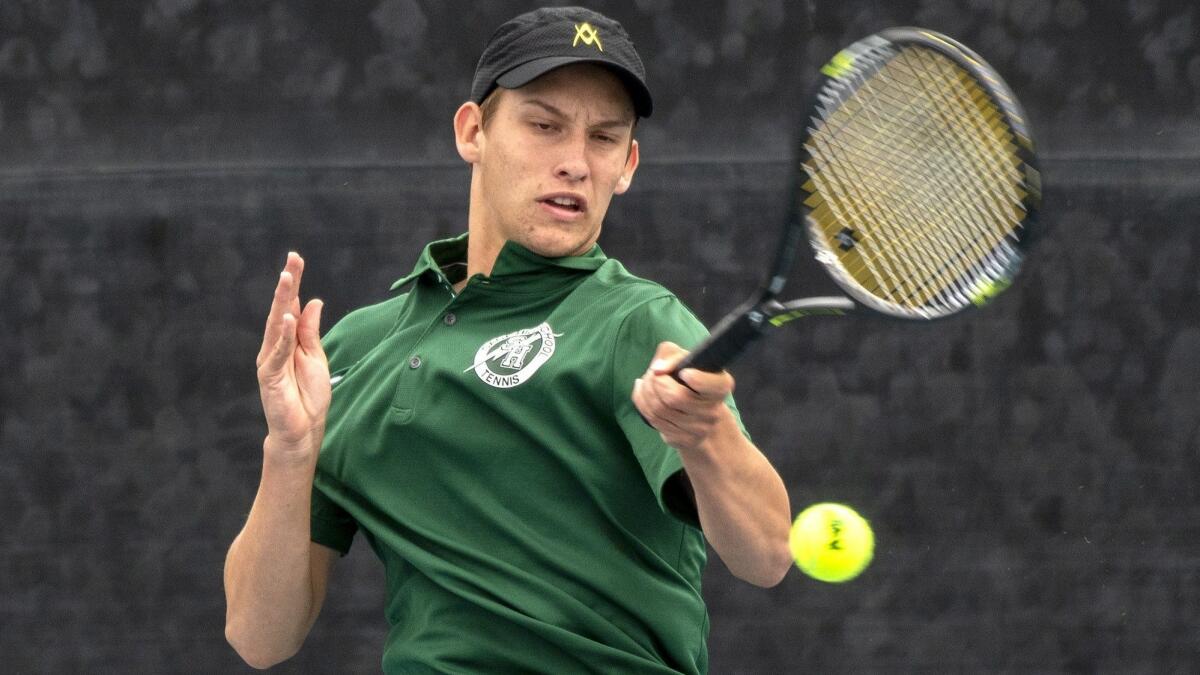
(89, 83)
(1032, 470)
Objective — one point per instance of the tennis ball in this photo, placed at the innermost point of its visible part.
(831, 542)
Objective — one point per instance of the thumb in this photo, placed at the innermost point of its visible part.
(310, 325)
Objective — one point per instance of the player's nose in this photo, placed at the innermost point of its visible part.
(572, 160)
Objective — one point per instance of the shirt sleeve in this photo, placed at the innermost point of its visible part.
(332, 526)
(662, 319)
(344, 344)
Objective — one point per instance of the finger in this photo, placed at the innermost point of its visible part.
(279, 306)
(683, 406)
(651, 408)
(295, 265)
(707, 386)
(284, 300)
(309, 329)
(666, 396)
(284, 348)
(666, 356)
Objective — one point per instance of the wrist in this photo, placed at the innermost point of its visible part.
(288, 453)
(719, 446)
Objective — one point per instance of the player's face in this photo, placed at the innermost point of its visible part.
(551, 157)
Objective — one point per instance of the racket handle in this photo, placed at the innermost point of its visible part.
(727, 341)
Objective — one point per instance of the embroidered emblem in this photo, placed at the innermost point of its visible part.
(508, 360)
(587, 34)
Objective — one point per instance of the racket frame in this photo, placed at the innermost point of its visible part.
(762, 311)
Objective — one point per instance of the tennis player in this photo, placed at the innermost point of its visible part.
(485, 428)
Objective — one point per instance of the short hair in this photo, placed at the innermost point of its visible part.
(487, 107)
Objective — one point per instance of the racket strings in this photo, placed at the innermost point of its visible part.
(991, 150)
(964, 186)
(915, 160)
(951, 185)
(864, 207)
(923, 113)
(887, 174)
(995, 150)
(893, 183)
(888, 219)
(995, 158)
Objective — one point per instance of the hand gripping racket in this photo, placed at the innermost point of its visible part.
(915, 181)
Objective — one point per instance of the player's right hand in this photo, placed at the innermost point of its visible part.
(293, 373)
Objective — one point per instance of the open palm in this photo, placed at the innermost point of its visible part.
(293, 373)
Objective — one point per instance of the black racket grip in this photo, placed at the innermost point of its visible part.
(727, 341)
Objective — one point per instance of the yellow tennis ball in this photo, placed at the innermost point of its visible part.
(831, 542)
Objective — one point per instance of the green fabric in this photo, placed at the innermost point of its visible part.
(515, 501)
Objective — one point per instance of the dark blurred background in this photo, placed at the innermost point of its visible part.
(1031, 470)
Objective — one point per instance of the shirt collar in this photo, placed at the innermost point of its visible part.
(513, 260)
(437, 256)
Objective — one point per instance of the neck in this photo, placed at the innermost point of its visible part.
(483, 244)
(481, 256)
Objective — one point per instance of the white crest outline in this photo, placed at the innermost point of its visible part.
(526, 337)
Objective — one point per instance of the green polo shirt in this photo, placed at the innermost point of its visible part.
(486, 447)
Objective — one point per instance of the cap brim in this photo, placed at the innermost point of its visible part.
(528, 72)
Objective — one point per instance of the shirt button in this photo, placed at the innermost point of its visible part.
(414, 362)
(449, 319)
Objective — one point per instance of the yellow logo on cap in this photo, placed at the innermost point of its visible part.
(588, 34)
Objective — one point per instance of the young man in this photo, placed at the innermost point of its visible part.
(489, 430)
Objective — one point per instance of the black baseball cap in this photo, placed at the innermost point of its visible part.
(534, 43)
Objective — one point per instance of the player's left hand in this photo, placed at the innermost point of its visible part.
(685, 416)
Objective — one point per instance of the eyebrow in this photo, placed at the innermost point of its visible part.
(619, 122)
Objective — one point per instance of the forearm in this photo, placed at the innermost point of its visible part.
(743, 505)
(268, 571)
(741, 500)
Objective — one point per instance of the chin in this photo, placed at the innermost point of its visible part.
(554, 247)
(553, 251)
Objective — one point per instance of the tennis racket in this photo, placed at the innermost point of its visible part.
(915, 183)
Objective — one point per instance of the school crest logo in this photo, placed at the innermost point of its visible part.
(508, 360)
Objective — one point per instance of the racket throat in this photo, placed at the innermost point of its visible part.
(737, 330)
(834, 305)
(729, 338)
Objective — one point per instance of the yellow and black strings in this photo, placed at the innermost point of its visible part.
(916, 182)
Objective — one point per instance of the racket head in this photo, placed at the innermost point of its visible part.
(917, 175)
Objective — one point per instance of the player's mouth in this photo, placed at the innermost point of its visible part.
(564, 206)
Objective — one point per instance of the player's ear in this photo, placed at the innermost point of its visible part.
(468, 129)
(631, 165)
